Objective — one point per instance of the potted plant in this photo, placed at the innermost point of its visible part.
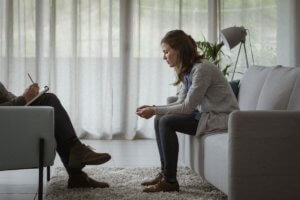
(213, 53)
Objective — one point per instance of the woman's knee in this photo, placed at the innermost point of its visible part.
(157, 118)
(165, 121)
(166, 128)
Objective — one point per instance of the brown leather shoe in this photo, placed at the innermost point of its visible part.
(81, 155)
(83, 181)
(154, 181)
(163, 186)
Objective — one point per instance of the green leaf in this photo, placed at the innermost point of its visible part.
(213, 53)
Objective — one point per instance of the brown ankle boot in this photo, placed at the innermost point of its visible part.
(154, 181)
(83, 181)
(81, 155)
(163, 186)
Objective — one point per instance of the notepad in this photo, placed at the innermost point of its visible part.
(46, 88)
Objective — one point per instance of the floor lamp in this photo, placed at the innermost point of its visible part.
(233, 36)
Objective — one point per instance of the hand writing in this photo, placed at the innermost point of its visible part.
(31, 92)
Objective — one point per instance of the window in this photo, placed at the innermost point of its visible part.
(260, 18)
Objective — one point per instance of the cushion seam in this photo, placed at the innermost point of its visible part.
(260, 92)
(288, 105)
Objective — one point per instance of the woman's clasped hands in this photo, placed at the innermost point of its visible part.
(145, 111)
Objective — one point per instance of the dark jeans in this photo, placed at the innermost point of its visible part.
(63, 129)
(167, 141)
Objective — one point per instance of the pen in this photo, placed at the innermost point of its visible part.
(30, 78)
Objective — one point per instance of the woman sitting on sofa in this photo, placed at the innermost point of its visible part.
(204, 103)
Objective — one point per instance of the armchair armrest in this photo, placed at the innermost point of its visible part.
(21, 128)
(264, 155)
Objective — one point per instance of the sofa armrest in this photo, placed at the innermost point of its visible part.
(264, 155)
(21, 128)
(171, 99)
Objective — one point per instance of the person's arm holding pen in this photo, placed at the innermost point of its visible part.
(31, 91)
(7, 98)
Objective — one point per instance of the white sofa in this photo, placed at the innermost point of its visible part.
(259, 157)
(27, 139)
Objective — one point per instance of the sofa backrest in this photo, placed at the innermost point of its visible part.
(270, 88)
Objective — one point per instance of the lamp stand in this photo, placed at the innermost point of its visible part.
(235, 65)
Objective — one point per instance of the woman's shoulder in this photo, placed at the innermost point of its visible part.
(204, 66)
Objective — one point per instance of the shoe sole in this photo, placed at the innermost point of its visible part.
(97, 161)
(149, 184)
(80, 186)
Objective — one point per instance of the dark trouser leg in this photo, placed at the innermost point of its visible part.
(64, 132)
(168, 125)
(161, 155)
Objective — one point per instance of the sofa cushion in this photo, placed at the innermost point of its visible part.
(270, 88)
(294, 103)
(277, 89)
(251, 86)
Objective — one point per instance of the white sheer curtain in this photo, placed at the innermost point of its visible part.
(72, 46)
(288, 33)
(260, 18)
(102, 58)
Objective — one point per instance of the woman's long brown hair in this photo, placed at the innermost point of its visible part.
(187, 50)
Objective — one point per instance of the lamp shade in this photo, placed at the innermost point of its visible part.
(233, 36)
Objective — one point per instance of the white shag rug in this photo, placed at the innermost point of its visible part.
(125, 184)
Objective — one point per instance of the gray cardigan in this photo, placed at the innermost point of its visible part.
(210, 93)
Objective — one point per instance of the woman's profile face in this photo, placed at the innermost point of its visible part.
(170, 55)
